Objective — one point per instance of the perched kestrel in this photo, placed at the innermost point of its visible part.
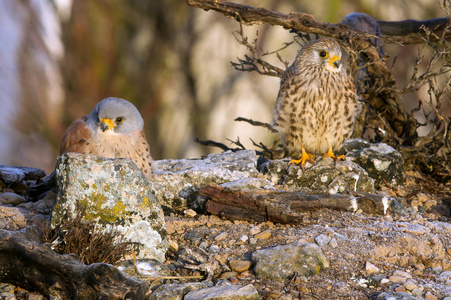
(317, 103)
(114, 129)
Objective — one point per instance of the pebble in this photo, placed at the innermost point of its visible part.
(333, 243)
(371, 269)
(400, 288)
(244, 238)
(33, 296)
(410, 285)
(173, 246)
(12, 198)
(263, 235)
(417, 292)
(430, 296)
(397, 279)
(227, 275)
(255, 230)
(221, 236)
(193, 236)
(239, 266)
(214, 249)
(189, 213)
(322, 240)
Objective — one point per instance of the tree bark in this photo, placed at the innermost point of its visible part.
(36, 267)
(285, 207)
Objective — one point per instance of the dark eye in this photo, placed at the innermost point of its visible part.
(323, 54)
(119, 120)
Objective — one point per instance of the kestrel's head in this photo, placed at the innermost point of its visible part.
(115, 114)
(324, 52)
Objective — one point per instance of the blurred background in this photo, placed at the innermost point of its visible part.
(58, 58)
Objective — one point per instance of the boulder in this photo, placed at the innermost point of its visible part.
(381, 161)
(115, 194)
(282, 262)
(177, 180)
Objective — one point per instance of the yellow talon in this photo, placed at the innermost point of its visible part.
(304, 158)
(330, 153)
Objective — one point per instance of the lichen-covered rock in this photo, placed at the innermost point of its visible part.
(282, 262)
(176, 180)
(326, 175)
(224, 292)
(381, 161)
(115, 194)
(177, 291)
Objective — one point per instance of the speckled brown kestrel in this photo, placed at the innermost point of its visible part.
(317, 104)
(114, 129)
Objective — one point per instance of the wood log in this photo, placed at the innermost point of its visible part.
(36, 267)
(285, 207)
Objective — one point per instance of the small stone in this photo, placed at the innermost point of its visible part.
(371, 269)
(245, 274)
(400, 288)
(224, 292)
(193, 235)
(410, 285)
(221, 236)
(12, 198)
(417, 292)
(252, 241)
(214, 249)
(397, 279)
(333, 243)
(244, 238)
(7, 296)
(189, 213)
(239, 265)
(255, 230)
(402, 274)
(340, 237)
(385, 281)
(263, 235)
(430, 296)
(227, 275)
(34, 296)
(173, 246)
(437, 270)
(322, 240)
(231, 242)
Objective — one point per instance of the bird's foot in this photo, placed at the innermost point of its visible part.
(331, 154)
(304, 158)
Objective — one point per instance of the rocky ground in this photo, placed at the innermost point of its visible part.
(400, 255)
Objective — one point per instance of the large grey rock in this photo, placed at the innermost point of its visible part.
(226, 292)
(381, 161)
(176, 180)
(326, 175)
(18, 174)
(177, 291)
(116, 195)
(282, 262)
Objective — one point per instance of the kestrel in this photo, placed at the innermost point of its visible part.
(317, 103)
(114, 129)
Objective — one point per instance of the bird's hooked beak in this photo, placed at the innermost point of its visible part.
(106, 124)
(335, 61)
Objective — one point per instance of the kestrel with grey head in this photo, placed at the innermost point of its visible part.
(317, 103)
(114, 129)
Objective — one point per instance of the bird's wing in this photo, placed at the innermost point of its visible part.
(76, 136)
(285, 85)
